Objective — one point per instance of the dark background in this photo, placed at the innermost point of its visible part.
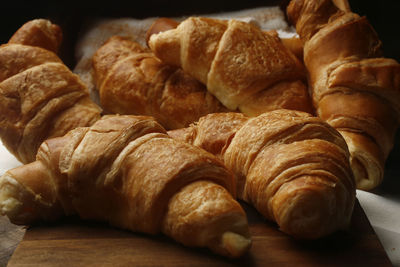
(384, 15)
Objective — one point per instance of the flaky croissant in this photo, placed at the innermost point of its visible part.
(243, 66)
(131, 80)
(292, 167)
(354, 88)
(39, 96)
(127, 171)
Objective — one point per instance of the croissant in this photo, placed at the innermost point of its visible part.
(292, 167)
(162, 24)
(120, 170)
(39, 32)
(354, 88)
(244, 67)
(40, 97)
(131, 80)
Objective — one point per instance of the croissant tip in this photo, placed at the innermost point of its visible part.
(160, 25)
(235, 244)
(8, 206)
(367, 173)
(9, 202)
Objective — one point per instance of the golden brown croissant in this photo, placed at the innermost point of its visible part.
(294, 43)
(292, 167)
(127, 171)
(354, 88)
(39, 32)
(131, 80)
(39, 96)
(243, 66)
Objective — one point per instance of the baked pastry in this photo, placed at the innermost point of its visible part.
(120, 170)
(295, 45)
(354, 88)
(292, 167)
(244, 67)
(131, 80)
(97, 31)
(39, 32)
(40, 97)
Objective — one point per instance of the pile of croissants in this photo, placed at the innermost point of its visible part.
(210, 113)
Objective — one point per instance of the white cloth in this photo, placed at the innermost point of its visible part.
(7, 161)
(383, 212)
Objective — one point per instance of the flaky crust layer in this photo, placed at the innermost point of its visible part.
(127, 171)
(354, 88)
(236, 61)
(40, 97)
(292, 167)
(131, 80)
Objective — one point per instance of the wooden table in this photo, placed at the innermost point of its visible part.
(76, 243)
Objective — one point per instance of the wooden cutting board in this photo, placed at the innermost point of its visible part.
(76, 243)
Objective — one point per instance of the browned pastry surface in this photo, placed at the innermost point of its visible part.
(39, 32)
(131, 80)
(354, 88)
(292, 167)
(40, 97)
(120, 170)
(237, 61)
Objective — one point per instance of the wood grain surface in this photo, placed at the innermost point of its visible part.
(76, 243)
